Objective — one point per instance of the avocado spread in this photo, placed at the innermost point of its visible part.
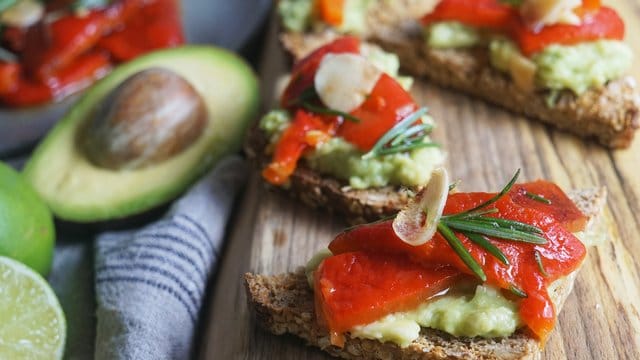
(297, 15)
(557, 67)
(342, 160)
(451, 34)
(485, 313)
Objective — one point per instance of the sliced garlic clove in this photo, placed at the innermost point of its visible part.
(23, 14)
(523, 72)
(343, 81)
(418, 221)
(538, 13)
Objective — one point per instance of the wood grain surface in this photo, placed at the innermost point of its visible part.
(272, 234)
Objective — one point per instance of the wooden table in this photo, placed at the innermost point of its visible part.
(600, 320)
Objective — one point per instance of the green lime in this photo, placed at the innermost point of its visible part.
(26, 224)
(32, 324)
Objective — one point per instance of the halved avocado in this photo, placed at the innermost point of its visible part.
(77, 190)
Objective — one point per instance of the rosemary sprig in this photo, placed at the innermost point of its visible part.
(462, 252)
(538, 258)
(512, 2)
(517, 291)
(487, 245)
(402, 137)
(497, 197)
(538, 198)
(496, 230)
(475, 225)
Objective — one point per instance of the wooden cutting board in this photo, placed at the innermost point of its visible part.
(272, 234)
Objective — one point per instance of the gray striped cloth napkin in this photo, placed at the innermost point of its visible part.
(150, 283)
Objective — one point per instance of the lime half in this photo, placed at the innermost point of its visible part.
(32, 324)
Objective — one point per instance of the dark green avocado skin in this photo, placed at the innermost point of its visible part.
(78, 191)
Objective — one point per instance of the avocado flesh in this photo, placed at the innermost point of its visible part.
(77, 190)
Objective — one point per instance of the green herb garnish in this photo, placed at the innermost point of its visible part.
(8, 56)
(487, 245)
(402, 137)
(475, 225)
(462, 252)
(517, 291)
(538, 198)
(512, 2)
(538, 258)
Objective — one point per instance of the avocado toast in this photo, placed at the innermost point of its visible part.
(348, 136)
(285, 303)
(575, 82)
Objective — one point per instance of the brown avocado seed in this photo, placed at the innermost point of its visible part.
(150, 117)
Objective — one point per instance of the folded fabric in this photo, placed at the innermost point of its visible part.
(150, 283)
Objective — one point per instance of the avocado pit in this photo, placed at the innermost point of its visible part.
(152, 116)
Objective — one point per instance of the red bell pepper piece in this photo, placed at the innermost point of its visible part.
(560, 206)
(387, 104)
(156, 26)
(71, 36)
(331, 11)
(489, 14)
(80, 74)
(605, 24)
(9, 77)
(294, 141)
(358, 288)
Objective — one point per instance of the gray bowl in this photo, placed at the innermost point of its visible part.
(227, 23)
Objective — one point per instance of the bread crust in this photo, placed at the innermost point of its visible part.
(284, 304)
(610, 114)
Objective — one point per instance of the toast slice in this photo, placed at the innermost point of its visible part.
(318, 191)
(285, 304)
(609, 114)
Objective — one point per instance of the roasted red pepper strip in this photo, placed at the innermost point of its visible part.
(305, 70)
(387, 104)
(605, 24)
(489, 14)
(331, 11)
(560, 207)
(357, 288)
(297, 138)
(156, 26)
(80, 74)
(561, 255)
(9, 77)
(71, 36)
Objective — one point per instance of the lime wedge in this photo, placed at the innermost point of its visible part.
(32, 324)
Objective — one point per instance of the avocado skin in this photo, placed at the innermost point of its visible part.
(78, 191)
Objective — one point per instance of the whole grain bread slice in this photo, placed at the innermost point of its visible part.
(609, 114)
(284, 304)
(317, 191)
